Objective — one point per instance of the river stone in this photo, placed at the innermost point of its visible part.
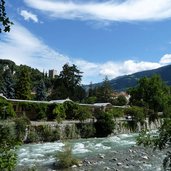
(101, 156)
(119, 164)
(145, 157)
(114, 159)
(106, 168)
(74, 166)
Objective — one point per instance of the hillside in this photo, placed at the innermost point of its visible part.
(124, 82)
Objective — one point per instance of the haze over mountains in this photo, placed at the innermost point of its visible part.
(124, 82)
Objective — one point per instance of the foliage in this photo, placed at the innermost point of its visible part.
(21, 125)
(65, 159)
(70, 109)
(71, 132)
(161, 140)
(59, 112)
(41, 91)
(105, 124)
(43, 133)
(86, 130)
(4, 20)
(32, 136)
(83, 113)
(116, 112)
(8, 84)
(119, 101)
(8, 156)
(136, 113)
(23, 85)
(47, 133)
(151, 93)
(90, 100)
(68, 84)
(39, 110)
(6, 109)
(103, 92)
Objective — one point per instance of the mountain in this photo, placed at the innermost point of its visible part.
(124, 82)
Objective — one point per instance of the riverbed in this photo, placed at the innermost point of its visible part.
(118, 153)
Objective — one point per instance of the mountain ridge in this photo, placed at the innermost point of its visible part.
(122, 83)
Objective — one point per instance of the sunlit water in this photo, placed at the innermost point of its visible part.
(116, 152)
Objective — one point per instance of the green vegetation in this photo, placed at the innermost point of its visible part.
(8, 143)
(105, 124)
(86, 130)
(65, 159)
(4, 20)
(6, 109)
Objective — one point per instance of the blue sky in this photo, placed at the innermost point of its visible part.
(102, 37)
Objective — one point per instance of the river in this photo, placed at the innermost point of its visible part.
(118, 153)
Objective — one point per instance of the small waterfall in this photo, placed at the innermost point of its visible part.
(26, 134)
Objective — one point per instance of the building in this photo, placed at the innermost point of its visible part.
(52, 73)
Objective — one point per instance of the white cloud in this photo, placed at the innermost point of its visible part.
(110, 10)
(114, 69)
(23, 47)
(166, 59)
(29, 16)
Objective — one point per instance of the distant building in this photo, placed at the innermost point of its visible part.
(52, 73)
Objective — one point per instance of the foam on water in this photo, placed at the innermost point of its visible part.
(38, 153)
(80, 148)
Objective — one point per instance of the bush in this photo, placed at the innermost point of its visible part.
(21, 125)
(6, 109)
(59, 112)
(105, 124)
(47, 133)
(65, 159)
(71, 132)
(8, 156)
(86, 130)
(33, 136)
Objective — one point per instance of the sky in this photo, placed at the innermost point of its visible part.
(101, 37)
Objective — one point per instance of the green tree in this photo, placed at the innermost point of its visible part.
(8, 156)
(151, 93)
(5, 23)
(104, 91)
(105, 123)
(23, 85)
(41, 91)
(59, 112)
(6, 109)
(8, 88)
(161, 141)
(68, 84)
(83, 113)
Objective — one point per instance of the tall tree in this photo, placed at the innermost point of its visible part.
(151, 93)
(41, 91)
(104, 91)
(68, 84)
(8, 88)
(23, 85)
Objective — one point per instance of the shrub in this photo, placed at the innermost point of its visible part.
(32, 136)
(6, 109)
(86, 130)
(21, 125)
(105, 124)
(59, 112)
(65, 158)
(8, 156)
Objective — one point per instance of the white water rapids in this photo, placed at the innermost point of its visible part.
(116, 152)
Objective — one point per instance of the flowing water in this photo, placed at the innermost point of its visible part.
(112, 153)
